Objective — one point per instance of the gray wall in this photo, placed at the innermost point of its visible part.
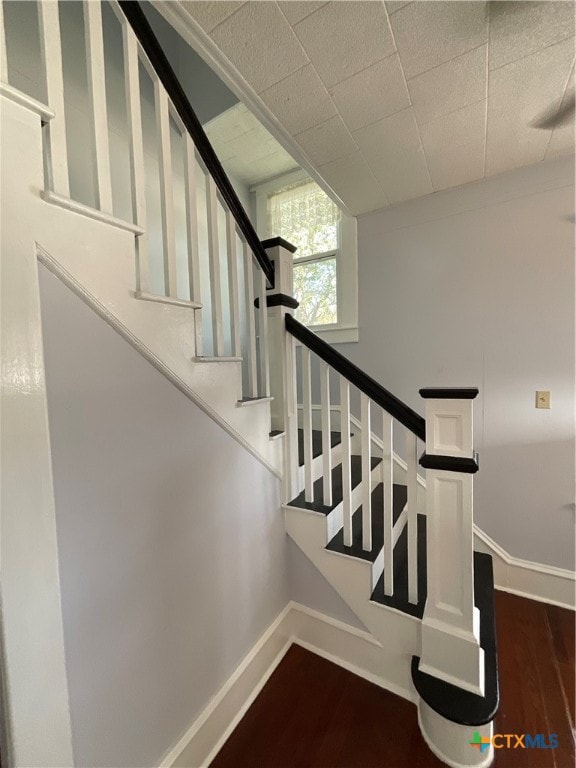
(207, 93)
(475, 286)
(171, 542)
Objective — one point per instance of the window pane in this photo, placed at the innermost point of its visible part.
(305, 216)
(315, 289)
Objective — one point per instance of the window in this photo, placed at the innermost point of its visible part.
(325, 264)
(305, 216)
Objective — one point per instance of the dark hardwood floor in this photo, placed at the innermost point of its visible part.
(313, 713)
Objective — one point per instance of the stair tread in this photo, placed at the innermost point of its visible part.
(456, 704)
(399, 599)
(318, 504)
(400, 495)
(335, 439)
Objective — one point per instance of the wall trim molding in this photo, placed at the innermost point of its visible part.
(345, 645)
(88, 298)
(535, 581)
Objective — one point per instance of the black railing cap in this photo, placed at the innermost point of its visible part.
(273, 241)
(449, 393)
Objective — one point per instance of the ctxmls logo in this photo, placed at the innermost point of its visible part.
(514, 741)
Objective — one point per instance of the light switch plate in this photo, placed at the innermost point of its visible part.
(542, 398)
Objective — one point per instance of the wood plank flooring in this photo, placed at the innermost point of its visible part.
(314, 714)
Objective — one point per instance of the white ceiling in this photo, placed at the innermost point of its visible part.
(391, 101)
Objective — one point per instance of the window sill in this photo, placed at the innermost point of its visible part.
(336, 334)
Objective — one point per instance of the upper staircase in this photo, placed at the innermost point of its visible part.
(379, 497)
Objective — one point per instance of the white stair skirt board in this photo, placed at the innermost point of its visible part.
(349, 647)
(353, 579)
(102, 273)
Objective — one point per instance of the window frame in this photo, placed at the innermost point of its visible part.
(345, 330)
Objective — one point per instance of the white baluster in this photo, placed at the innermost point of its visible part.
(264, 349)
(326, 434)
(366, 442)
(307, 424)
(3, 56)
(166, 189)
(99, 114)
(233, 283)
(51, 50)
(137, 172)
(214, 257)
(412, 523)
(388, 483)
(346, 452)
(251, 362)
(192, 235)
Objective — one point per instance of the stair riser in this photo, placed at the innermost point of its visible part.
(317, 466)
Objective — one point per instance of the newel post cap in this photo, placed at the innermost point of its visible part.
(281, 253)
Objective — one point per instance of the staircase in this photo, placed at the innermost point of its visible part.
(215, 315)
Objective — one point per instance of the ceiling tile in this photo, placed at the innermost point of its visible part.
(402, 174)
(260, 27)
(300, 101)
(454, 146)
(295, 11)
(351, 179)
(394, 6)
(450, 86)
(518, 29)
(519, 94)
(429, 33)
(562, 139)
(328, 141)
(209, 15)
(383, 138)
(344, 37)
(374, 93)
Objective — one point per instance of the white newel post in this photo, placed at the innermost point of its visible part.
(451, 623)
(284, 412)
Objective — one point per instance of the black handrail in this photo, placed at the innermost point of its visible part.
(153, 50)
(389, 402)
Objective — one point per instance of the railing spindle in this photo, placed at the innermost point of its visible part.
(214, 258)
(264, 349)
(99, 113)
(3, 54)
(412, 461)
(346, 453)
(251, 362)
(51, 49)
(366, 442)
(166, 190)
(388, 483)
(233, 283)
(137, 172)
(307, 424)
(326, 434)
(192, 235)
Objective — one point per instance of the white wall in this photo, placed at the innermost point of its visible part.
(475, 286)
(171, 541)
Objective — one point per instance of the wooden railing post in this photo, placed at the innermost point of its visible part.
(284, 412)
(451, 623)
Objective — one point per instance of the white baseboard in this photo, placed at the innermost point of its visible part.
(347, 646)
(535, 581)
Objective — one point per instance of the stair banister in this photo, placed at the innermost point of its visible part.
(157, 57)
(451, 622)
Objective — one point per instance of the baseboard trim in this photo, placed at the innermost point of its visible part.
(535, 581)
(349, 647)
